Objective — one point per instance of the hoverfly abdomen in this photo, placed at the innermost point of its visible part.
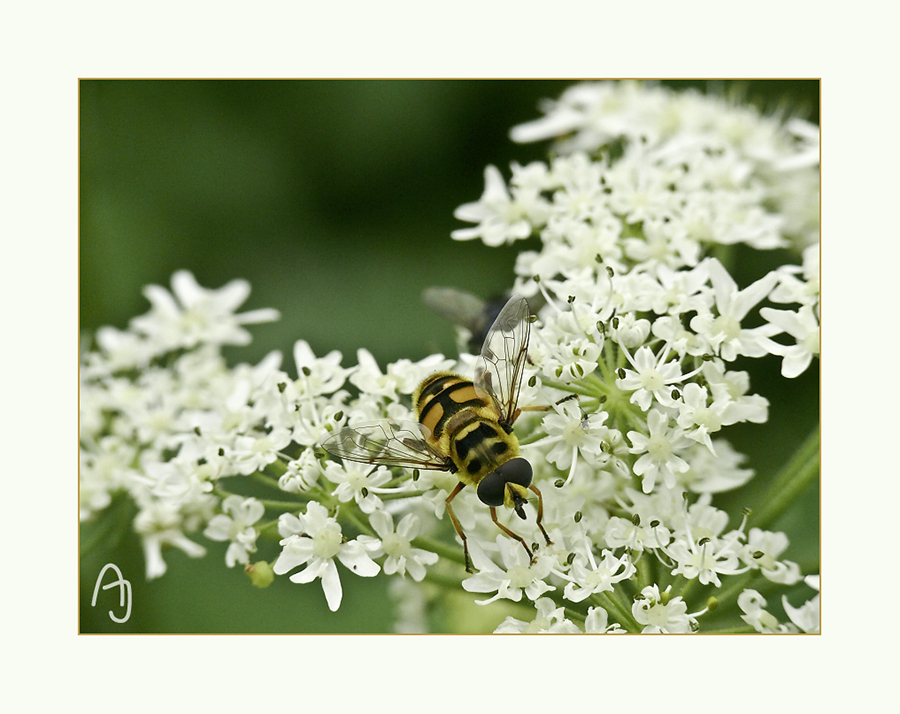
(440, 397)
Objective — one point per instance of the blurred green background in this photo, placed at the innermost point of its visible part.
(335, 199)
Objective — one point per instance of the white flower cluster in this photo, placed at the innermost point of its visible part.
(639, 318)
(635, 214)
(164, 420)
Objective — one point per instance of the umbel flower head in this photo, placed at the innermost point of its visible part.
(638, 351)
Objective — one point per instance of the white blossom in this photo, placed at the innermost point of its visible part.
(803, 326)
(191, 314)
(548, 618)
(235, 525)
(658, 612)
(402, 557)
(517, 576)
(314, 539)
(658, 451)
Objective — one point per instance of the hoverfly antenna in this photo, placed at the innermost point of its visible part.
(518, 501)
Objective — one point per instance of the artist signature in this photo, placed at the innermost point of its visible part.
(124, 592)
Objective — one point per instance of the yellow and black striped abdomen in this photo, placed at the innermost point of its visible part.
(464, 425)
(441, 397)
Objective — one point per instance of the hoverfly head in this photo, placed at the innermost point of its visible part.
(507, 485)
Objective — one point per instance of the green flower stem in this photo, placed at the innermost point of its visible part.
(617, 404)
(267, 503)
(314, 494)
(724, 252)
(109, 530)
(277, 468)
(607, 367)
(570, 387)
(600, 386)
(732, 587)
(400, 494)
(736, 630)
(101, 532)
(265, 479)
(453, 553)
(402, 478)
(533, 438)
(611, 602)
(446, 582)
(352, 515)
(268, 529)
(643, 572)
(270, 475)
(790, 482)
(681, 586)
(289, 506)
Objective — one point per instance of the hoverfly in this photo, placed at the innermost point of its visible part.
(464, 427)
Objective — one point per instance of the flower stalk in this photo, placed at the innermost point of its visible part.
(793, 479)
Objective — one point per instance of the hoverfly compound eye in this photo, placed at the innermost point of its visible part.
(516, 470)
(492, 488)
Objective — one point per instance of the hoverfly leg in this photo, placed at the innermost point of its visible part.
(540, 513)
(459, 530)
(508, 532)
(542, 407)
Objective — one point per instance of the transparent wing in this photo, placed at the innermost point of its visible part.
(465, 310)
(386, 442)
(501, 365)
(458, 306)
